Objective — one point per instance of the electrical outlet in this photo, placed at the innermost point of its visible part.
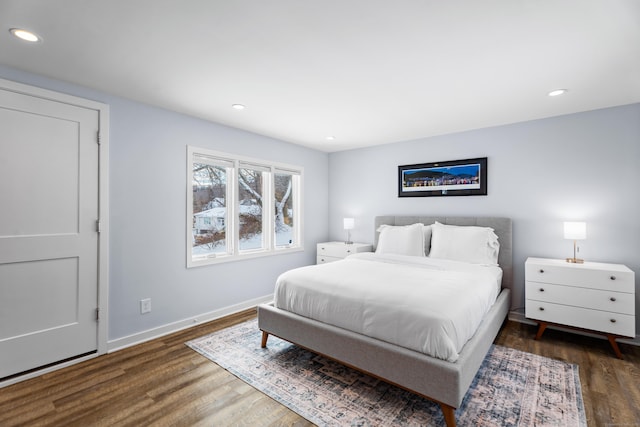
(145, 305)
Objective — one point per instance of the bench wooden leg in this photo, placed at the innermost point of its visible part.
(449, 414)
(265, 336)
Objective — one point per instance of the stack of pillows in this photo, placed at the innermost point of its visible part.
(472, 244)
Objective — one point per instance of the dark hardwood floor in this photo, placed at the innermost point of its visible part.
(164, 383)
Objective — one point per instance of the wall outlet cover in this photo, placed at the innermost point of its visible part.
(145, 305)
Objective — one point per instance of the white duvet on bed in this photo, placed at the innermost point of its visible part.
(429, 305)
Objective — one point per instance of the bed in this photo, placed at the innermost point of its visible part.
(434, 377)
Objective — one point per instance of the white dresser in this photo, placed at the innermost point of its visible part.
(594, 296)
(333, 251)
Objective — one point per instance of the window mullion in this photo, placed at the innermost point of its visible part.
(296, 186)
(268, 211)
(235, 210)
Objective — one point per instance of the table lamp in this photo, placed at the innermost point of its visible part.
(575, 231)
(348, 225)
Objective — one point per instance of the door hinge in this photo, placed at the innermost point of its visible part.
(98, 314)
(98, 138)
(98, 226)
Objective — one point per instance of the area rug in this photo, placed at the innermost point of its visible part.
(512, 388)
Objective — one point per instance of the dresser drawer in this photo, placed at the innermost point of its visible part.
(602, 321)
(616, 302)
(582, 275)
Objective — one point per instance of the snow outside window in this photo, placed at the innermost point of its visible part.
(240, 208)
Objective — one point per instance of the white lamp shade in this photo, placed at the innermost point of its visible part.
(575, 230)
(349, 223)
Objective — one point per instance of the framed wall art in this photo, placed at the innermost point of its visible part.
(451, 178)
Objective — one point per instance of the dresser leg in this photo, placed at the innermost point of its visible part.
(541, 327)
(614, 344)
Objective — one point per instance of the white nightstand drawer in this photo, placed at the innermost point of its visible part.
(323, 259)
(339, 250)
(616, 302)
(602, 321)
(334, 251)
(617, 278)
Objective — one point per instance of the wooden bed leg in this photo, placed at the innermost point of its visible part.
(449, 414)
(265, 336)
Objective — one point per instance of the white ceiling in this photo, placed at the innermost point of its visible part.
(365, 71)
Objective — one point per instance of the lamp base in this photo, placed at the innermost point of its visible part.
(575, 260)
(348, 241)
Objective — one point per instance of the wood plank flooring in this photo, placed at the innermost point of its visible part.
(164, 383)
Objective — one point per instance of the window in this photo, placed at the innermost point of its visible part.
(240, 208)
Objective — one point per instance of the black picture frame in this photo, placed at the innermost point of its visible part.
(466, 177)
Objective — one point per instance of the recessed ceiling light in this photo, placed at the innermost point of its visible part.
(238, 106)
(330, 138)
(25, 35)
(557, 92)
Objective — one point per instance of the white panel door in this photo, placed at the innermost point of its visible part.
(48, 237)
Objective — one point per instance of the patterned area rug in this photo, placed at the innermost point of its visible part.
(512, 388)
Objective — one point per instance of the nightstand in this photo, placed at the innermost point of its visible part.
(593, 296)
(334, 251)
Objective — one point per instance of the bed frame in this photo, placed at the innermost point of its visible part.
(443, 382)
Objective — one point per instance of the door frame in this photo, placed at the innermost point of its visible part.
(103, 214)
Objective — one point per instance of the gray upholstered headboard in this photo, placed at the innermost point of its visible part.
(501, 226)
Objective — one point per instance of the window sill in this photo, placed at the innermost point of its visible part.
(204, 261)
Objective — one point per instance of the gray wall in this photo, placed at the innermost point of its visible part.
(148, 212)
(576, 167)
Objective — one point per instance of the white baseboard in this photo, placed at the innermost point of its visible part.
(140, 337)
(37, 373)
(517, 316)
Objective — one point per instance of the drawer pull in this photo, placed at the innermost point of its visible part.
(612, 299)
(541, 271)
(541, 289)
(348, 251)
(322, 259)
(613, 320)
(541, 308)
(612, 277)
(323, 248)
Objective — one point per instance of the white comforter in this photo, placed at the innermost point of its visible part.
(424, 304)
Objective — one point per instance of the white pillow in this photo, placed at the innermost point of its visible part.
(401, 239)
(476, 245)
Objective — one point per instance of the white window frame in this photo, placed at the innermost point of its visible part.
(233, 209)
